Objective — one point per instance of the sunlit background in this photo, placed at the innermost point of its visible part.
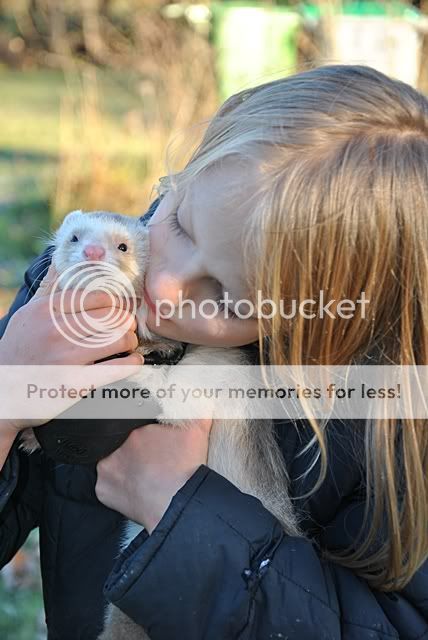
(92, 93)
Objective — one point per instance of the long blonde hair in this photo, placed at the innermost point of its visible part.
(344, 209)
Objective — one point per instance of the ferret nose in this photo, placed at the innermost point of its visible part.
(94, 252)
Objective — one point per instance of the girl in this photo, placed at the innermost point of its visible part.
(317, 182)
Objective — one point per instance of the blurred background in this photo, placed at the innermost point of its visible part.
(92, 92)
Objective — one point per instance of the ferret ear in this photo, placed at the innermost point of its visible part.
(72, 218)
(73, 215)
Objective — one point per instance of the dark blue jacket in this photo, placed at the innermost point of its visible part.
(218, 566)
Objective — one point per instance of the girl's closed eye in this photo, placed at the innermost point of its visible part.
(175, 225)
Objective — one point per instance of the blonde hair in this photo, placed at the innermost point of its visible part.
(344, 209)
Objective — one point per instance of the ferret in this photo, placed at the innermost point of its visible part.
(245, 451)
(120, 241)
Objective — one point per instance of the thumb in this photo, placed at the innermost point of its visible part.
(47, 283)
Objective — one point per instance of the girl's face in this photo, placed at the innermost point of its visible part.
(195, 254)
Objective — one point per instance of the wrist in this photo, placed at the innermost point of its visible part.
(8, 430)
(162, 493)
(8, 434)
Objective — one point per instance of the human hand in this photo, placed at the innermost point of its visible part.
(140, 478)
(32, 338)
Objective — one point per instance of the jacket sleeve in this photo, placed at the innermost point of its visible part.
(219, 566)
(20, 501)
(20, 477)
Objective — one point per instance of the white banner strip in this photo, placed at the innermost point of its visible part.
(222, 392)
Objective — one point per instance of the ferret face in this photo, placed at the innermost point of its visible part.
(120, 241)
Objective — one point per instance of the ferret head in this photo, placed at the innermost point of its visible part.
(120, 241)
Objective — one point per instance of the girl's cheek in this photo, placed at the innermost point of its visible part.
(158, 237)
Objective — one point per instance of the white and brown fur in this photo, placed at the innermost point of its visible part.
(244, 451)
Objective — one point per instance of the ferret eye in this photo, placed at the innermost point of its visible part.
(123, 247)
(74, 239)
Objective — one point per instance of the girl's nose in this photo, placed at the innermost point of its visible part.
(94, 252)
(174, 280)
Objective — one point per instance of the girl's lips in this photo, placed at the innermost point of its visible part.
(149, 302)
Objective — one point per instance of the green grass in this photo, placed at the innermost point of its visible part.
(29, 113)
(30, 138)
(31, 101)
(24, 214)
(21, 603)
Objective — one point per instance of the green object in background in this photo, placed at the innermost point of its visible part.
(254, 43)
(391, 9)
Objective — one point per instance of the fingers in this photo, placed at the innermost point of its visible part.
(124, 344)
(96, 315)
(90, 352)
(47, 283)
(96, 322)
(133, 359)
(73, 301)
(103, 373)
(69, 319)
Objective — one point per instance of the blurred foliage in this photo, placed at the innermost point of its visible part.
(97, 89)
(116, 34)
(21, 604)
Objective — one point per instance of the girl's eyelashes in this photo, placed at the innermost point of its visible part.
(174, 224)
(178, 230)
